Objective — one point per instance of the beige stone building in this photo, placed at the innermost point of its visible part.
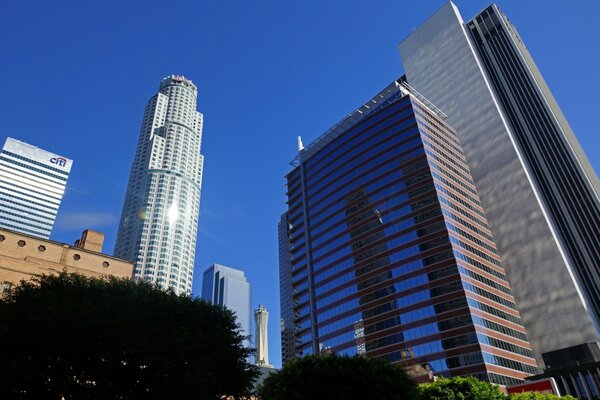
(23, 256)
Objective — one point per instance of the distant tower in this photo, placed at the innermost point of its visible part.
(229, 287)
(32, 184)
(261, 320)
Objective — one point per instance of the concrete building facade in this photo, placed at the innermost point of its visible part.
(159, 221)
(261, 336)
(535, 183)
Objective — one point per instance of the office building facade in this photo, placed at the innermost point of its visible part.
(159, 221)
(539, 190)
(390, 252)
(285, 291)
(32, 184)
(229, 287)
(261, 336)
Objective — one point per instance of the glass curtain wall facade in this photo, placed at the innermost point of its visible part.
(391, 254)
(32, 184)
(159, 221)
(229, 287)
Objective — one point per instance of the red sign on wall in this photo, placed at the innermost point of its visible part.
(543, 386)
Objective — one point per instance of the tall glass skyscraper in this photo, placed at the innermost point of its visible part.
(32, 184)
(390, 253)
(159, 222)
(539, 190)
(229, 287)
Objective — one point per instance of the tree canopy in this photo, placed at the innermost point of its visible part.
(338, 377)
(72, 337)
(460, 389)
(473, 389)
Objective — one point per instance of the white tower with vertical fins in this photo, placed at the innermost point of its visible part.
(261, 320)
(159, 222)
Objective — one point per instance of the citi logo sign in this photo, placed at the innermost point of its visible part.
(61, 162)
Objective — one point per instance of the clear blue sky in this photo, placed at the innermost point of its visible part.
(75, 77)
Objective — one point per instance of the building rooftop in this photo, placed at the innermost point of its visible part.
(392, 92)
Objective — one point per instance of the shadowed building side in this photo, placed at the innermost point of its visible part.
(535, 183)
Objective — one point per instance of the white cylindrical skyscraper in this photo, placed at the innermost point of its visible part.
(261, 320)
(159, 221)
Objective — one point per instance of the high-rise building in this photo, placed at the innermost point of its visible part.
(229, 287)
(159, 221)
(391, 255)
(261, 336)
(539, 191)
(32, 184)
(285, 291)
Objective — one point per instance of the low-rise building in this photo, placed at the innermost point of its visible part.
(23, 256)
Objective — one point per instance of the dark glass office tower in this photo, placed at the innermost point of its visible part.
(391, 255)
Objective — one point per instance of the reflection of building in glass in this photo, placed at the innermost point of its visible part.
(540, 193)
(390, 252)
(359, 337)
(365, 229)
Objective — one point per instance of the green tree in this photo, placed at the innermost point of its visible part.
(538, 396)
(335, 377)
(71, 337)
(460, 389)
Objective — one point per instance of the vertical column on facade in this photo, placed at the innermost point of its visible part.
(309, 270)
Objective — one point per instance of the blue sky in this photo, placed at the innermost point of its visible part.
(75, 77)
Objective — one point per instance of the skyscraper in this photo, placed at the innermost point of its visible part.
(261, 336)
(535, 183)
(159, 221)
(391, 255)
(229, 287)
(32, 184)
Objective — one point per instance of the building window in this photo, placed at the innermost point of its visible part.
(41, 247)
(2, 238)
(21, 243)
(6, 286)
(105, 264)
(76, 257)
